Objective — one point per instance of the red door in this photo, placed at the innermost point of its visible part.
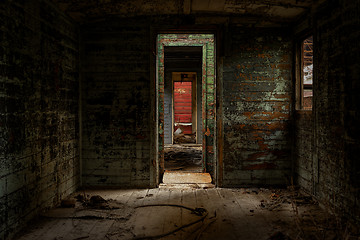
(182, 106)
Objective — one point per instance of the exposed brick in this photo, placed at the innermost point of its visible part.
(257, 90)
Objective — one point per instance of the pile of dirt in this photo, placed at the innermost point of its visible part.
(183, 158)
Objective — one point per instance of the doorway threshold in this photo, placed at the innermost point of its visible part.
(186, 185)
(178, 177)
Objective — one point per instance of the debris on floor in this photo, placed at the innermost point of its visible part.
(215, 213)
(68, 203)
(283, 196)
(309, 220)
(185, 138)
(183, 157)
(180, 137)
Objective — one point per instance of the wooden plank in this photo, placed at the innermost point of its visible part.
(174, 215)
(40, 229)
(81, 229)
(189, 200)
(252, 213)
(137, 197)
(213, 206)
(228, 214)
(59, 230)
(203, 201)
(101, 229)
(145, 219)
(124, 195)
(149, 221)
(271, 217)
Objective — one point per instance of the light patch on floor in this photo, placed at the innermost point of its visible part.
(186, 177)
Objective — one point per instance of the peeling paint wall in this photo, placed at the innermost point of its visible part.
(115, 104)
(336, 143)
(257, 90)
(39, 160)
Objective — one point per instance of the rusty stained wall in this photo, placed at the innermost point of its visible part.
(39, 160)
(257, 92)
(116, 103)
(336, 143)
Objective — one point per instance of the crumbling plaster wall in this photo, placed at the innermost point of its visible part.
(39, 160)
(336, 133)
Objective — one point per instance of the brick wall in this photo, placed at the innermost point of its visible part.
(39, 161)
(257, 91)
(116, 103)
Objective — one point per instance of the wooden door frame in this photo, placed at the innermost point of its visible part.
(207, 42)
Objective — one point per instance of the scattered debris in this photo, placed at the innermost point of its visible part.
(68, 203)
(185, 138)
(201, 212)
(180, 137)
(279, 197)
(183, 157)
(97, 200)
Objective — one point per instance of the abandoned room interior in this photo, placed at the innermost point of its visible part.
(179, 119)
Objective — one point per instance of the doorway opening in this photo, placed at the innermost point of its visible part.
(184, 153)
(184, 108)
(186, 105)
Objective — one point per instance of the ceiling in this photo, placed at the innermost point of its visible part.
(183, 57)
(283, 11)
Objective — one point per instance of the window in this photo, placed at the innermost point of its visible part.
(307, 74)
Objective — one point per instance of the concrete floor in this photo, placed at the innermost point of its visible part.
(229, 214)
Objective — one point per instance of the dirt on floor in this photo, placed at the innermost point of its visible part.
(245, 213)
(181, 157)
(310, 221)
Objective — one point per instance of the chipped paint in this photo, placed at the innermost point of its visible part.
(256, 106)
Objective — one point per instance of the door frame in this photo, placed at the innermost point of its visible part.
(207, 42)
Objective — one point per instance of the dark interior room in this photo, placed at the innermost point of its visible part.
(179, 119)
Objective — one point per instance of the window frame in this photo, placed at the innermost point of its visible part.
(300, 86)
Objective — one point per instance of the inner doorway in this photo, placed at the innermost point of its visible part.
(182, 115)
(186, 105)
